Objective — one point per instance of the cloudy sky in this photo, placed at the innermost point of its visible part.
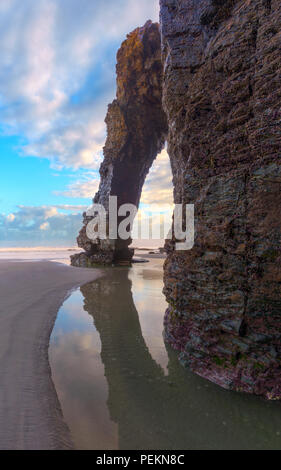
(57, 75)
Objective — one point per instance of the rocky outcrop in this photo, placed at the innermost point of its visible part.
(136, 133)
(221, 95)
(222, 99)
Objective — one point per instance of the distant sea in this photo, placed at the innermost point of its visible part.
(39, 253)
(61, 254)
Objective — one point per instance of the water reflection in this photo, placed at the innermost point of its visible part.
(118, 393)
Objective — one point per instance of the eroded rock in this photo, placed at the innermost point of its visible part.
(222, 98)
(136, 133)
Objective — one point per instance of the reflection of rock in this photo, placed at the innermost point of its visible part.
(139, 261)
(129, 366)
(180, 411)
(222, 98)
(136, 131)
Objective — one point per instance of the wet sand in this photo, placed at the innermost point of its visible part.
(31, 295)
(150, 256)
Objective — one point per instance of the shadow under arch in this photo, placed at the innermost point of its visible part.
(178, 411)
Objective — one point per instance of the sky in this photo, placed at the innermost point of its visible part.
(57, 76)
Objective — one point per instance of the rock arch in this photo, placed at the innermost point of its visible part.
(221, 95)
(136, 134)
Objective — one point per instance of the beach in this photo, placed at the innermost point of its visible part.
(31, 294)
(83, 365)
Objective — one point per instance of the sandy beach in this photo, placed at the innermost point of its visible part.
(31, 294)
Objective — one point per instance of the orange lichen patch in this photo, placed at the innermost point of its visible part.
(134, 62)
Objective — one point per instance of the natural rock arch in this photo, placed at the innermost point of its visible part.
(221, 96)
(136, 134)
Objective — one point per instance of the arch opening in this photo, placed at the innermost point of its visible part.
(154, 218)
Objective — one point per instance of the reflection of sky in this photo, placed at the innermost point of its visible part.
(82, 389)
(72, 317)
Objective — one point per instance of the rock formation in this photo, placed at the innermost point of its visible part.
(222, 99)
(136, 133)
(221, 96)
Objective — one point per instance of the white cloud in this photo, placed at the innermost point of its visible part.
(50, 225)
(157, 193)
(53, 51)
(158, 188)
(83, 188)
(50, 212)
(45, 226)
(71, 208)
(10, 217)
(60, 224)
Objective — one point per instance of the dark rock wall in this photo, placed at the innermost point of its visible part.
(136, 133)
(222, 99)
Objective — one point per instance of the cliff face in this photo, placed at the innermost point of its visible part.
(136, 133)
(222, 100)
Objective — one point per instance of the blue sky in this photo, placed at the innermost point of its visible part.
(57, 76)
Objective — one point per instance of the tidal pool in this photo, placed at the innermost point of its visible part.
(121, 387)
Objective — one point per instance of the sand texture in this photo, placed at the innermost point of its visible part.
(30, 297)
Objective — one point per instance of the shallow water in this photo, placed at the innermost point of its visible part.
(59, 255)
(120, 387)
